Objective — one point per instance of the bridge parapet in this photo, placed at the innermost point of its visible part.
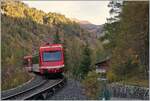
(128, 91)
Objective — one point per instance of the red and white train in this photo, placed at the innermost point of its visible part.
(50, 58)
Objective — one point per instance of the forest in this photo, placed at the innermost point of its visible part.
(128, 36)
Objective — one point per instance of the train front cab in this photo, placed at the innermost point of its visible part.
(51, 59)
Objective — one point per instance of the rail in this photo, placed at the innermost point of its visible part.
(36, 79)
(33, 89)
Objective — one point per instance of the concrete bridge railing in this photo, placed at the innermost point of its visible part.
(128, 91)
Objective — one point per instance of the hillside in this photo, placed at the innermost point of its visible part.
(24, 29)
(97, 30)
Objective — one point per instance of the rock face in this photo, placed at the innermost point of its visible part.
(72, 91)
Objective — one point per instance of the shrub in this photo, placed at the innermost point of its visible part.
(91, 85)
(111, 76)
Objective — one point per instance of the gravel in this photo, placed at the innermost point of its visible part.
(71, 91)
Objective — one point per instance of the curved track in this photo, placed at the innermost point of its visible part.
(38, 86)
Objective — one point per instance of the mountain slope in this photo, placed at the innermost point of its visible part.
(97, 30)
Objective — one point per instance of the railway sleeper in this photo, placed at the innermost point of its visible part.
(50, 92)
(45, 94)
(38, 97)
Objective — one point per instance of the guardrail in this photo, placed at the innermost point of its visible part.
(128, 91)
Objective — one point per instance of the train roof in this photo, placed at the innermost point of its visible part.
(52, 46)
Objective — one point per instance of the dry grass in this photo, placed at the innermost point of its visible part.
(16, 79)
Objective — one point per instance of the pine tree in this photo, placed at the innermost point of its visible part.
(56, 37)
(85, 62)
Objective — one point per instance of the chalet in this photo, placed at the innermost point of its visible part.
(103, 65)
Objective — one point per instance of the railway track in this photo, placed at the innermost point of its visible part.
(39, 88)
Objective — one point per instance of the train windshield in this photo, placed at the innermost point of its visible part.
(51, 56)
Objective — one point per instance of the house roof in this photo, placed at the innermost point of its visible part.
(103, 60)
